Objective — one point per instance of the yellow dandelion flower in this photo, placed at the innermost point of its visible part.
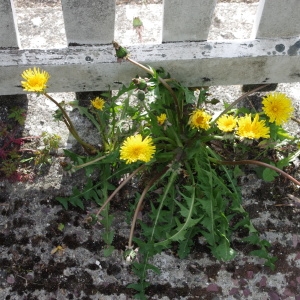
(98, 103)
(278, 107)
(134, 148)
(161, 119)
(36, 80)
(252, 129)
(199, 119)
(226, 123)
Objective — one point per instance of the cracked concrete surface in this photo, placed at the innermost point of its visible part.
(86, 272)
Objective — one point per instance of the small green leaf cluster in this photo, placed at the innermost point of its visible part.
(42, 156)
(18, 114)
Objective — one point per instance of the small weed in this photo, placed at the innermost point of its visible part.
(14, 158)
(18, 114)
(50, 144)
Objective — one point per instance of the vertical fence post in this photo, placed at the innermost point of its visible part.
(89, 22)
(9, 37)
(277, 18)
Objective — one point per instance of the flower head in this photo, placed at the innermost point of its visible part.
(161, 119)
(199, 119)
(134, 148)
(98, 103)
(226, 123)
(278, 107)
(252, 129)
(36, 80)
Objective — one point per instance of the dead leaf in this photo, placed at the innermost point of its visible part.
(59, 250)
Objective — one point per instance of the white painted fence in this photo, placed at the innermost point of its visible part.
(272, 55)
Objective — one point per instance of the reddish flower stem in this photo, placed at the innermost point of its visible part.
(119, 188)
(259, 163)
(139, 205)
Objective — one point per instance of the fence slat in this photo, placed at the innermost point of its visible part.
(8, 29)
(89, 22)
(78, 69)
(187, 20)
(277, 18)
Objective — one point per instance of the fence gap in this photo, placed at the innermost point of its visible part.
(9, 37)
(150, 16)
(37, 27)
(242, 19)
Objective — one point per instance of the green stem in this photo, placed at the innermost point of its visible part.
(166, 190)
(164, 138)
(66, 117)
(87, 147)
(178, 141)
(89, 163)
(162, 81)
(102, 132)
(237, 101)
(187, 217)
(217, 137)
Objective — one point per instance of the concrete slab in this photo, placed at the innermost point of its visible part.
(199, 276)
